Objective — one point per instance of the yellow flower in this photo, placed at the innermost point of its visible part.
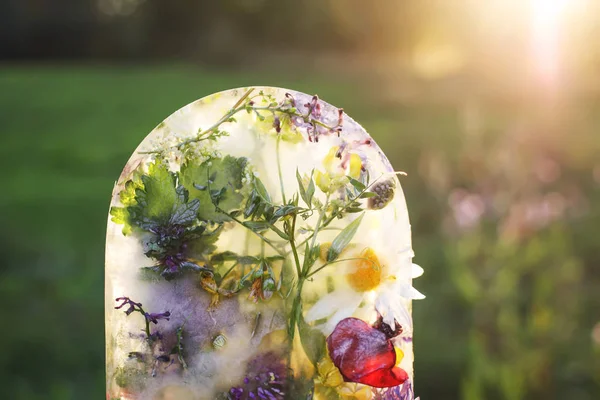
(329, 375)
(337, 170)
(399, 355)
(355, 391)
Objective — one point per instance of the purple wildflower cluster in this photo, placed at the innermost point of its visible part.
(132, 306)
(265, 380)
(311, 119)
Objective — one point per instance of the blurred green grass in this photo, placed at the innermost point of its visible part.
(67, 131)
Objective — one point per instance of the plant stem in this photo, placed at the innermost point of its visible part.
(263, 238)
(279, 170)
(337, 213)
(294, 249)
(337, 261)
(318, 225)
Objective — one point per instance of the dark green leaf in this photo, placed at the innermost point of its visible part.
(188, 265)
(343, 239)
(220, 258)
(257, 226)
(185, 214)
(283, 211)
(274, 258)
(248, 260)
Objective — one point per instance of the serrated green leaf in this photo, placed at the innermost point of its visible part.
(153, 200)
(343, 239)
(120, 215)
(224, 178)
(185, 214)
(158, 196)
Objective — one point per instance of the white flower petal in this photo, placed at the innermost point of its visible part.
(391, 307)
(330, 303)
(415, 294)
(343, 312)
(417, 271)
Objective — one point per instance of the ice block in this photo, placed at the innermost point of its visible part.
(259, 247)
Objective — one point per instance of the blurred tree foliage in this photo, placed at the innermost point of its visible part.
(202, 30)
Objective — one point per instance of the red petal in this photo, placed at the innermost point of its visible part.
(363, 354)
(385, 378)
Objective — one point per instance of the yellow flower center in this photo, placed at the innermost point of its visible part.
(365, 273)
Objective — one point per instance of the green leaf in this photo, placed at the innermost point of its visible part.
(354, 209)
(223, 176)
(270, 259)
(279, 232)
(153, 199)
(343, 239)
(261, 190)
(282, 211)
(301, 188)
(120, 215)
(306, 193)
(185, 214)
(367, 195)
(220, 258)
(312, 340)
(310, 191)
(158, 196)
(257, 226)
(357, 184)
(248, 260)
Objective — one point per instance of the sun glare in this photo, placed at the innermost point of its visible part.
(548, 25)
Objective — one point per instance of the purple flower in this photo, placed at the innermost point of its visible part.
(265, 379)
(154, 317)
(402, 392)
(127, 301)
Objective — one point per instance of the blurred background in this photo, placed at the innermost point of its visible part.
(492, 107)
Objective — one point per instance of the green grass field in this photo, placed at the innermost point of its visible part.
(67, 133)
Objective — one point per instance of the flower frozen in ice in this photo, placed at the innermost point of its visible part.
(338, 164)
(390, 301)
(365, 354)
(368, 282)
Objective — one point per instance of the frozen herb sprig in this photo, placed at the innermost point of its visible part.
(132, 307)
(283, 114)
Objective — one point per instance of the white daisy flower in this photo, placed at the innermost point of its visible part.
(369, 285)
